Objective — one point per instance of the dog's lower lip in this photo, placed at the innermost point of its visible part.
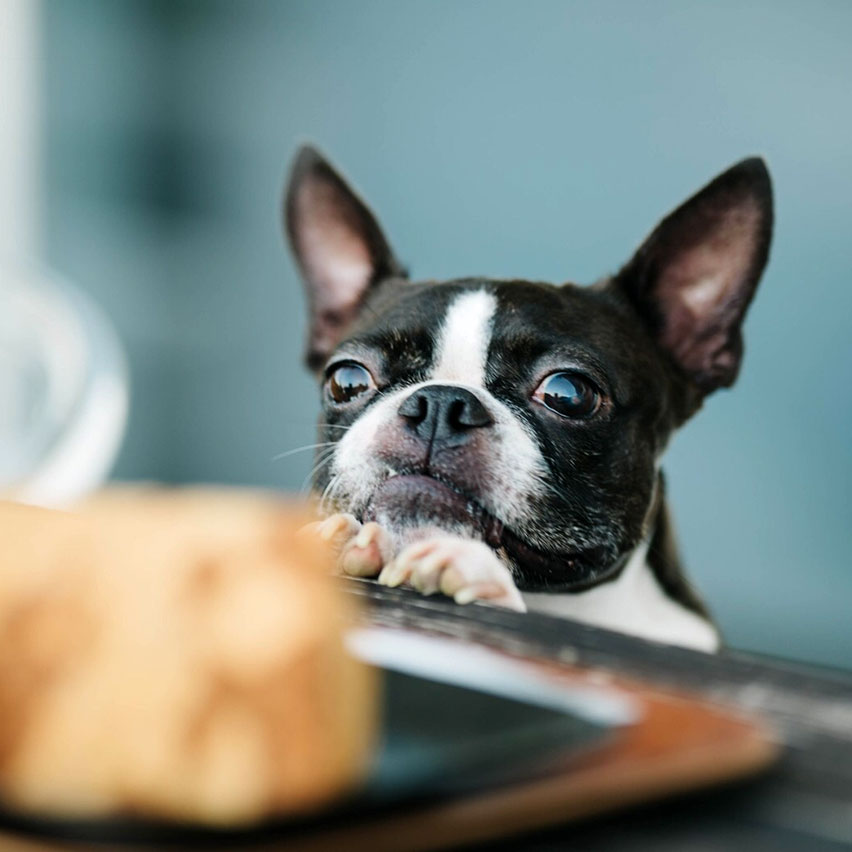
(491, 527)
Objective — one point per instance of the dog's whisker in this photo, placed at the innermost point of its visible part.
(324, 497)
(320, 464)
(330, 496)
(302, 449)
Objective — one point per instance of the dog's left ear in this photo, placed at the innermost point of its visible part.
(693, 278)
(339, 246)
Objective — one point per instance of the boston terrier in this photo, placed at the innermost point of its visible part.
(500, 440)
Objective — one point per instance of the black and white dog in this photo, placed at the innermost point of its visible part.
(500, 440)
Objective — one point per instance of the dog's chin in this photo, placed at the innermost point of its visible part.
(414, 505)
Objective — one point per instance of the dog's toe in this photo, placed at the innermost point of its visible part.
(336, 529)
(367, 553)
(339, 529)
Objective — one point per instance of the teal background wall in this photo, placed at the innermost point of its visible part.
(538, 139)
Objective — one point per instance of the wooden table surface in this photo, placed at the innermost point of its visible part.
(804, 803)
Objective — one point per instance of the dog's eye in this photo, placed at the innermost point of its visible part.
(346, 381)
(569, 394)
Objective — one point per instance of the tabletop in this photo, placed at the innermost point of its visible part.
(803, 803)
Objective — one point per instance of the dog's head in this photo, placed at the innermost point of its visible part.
(529, 415)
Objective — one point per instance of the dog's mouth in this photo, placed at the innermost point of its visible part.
(420, 498)
(416, 498)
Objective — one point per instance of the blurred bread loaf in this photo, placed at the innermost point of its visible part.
(176, 655)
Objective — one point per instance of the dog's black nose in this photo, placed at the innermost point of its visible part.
(443, 413)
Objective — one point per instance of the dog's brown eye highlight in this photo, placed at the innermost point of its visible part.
(569, 394)
(348, 381)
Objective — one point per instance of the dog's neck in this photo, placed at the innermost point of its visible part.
(650, 597)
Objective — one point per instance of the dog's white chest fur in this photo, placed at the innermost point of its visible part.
(633, 603)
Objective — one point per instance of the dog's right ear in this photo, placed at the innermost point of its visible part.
(339, 247)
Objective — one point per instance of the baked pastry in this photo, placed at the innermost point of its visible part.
(176, 655)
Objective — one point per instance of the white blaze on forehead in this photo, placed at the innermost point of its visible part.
(461, 345)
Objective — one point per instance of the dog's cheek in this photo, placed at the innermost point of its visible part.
(599, 485)
(620, 493)
(516, 465)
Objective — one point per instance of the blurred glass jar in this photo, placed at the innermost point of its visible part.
(63, 390)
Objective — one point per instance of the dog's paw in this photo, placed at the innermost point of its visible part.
(463, 569)
(362, 550)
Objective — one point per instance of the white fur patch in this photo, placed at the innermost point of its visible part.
(461, 349)
(634, 603)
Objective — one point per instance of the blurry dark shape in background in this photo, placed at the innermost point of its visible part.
(499, 138)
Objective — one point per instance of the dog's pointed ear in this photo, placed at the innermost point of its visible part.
(693, 278)
(338, 245)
